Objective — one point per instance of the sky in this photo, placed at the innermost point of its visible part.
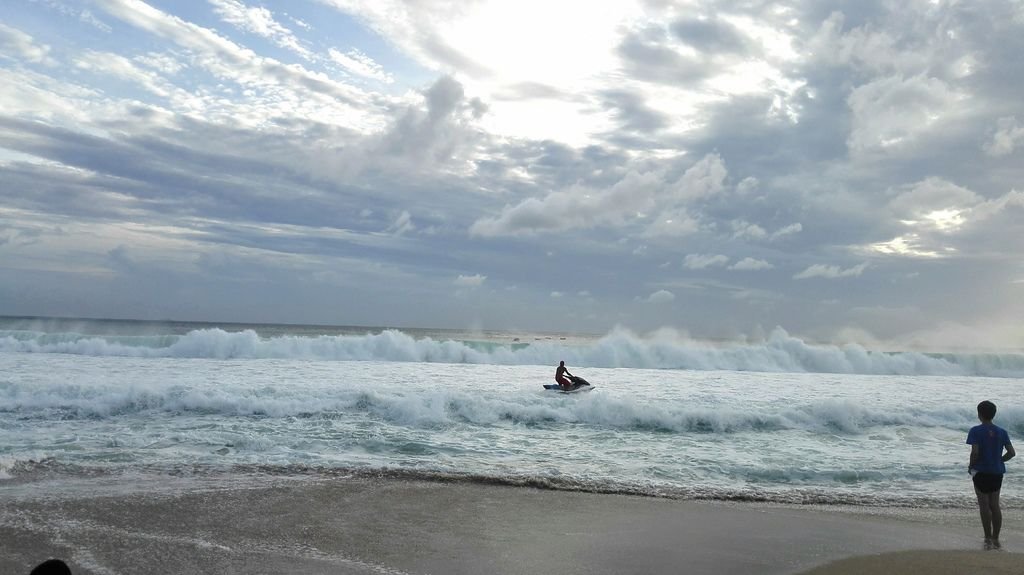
(848, 171)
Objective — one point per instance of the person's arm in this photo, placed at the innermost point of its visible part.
(974, 456)
(1010, 453)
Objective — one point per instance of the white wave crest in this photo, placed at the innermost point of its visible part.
(781, 352)
(443, 408)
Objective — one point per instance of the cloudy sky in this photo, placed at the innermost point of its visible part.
(850, 171)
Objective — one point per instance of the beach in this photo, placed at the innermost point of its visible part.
(257, 524)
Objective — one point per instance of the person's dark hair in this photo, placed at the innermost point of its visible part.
(52, 567)
(561, 363)
(986, 409)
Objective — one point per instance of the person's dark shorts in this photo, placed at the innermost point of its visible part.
(988, 482)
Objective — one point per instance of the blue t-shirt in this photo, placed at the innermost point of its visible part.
(990, 440)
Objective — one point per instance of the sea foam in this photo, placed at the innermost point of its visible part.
(780, 352)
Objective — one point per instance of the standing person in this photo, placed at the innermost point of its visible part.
(987, 466)
(560, 378)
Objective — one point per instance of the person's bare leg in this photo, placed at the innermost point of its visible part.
(986, 512)
(997, 514)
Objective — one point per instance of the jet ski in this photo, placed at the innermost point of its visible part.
(578, 384)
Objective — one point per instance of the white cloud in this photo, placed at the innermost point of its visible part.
(704, 178)
(120, 67)
(939, 216)
(16, 44)
(82, 14)
(866, 49)
(163, 63)
(786, 231)
(931, 196)
(701, 261)
(300, 87)
(402, 224)
(661, 296)
(831, 272)
(259, 21)
(894, 111)
(619, 205)
(742, 229)
(1008, 135)
(909, 245)
(751, 264)
(360, 64)
(556, 294)
(575, 207)
(473, 281)
(1013, 200)
(89, 18)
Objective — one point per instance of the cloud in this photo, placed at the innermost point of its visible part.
(938, 218)
(831, 272)
(1008, 134)
(865, 49)
(746, 136)
(575, 207)
(742, 229)
(358, 63)
(436, 135)
(473, 281)
(660, 297)
(632, 112)
(83, 15)
(228, 60)
(624, 204)
(16, 44)
(710, 35)
(402, 224)
(931, 195)
(259, 21)
(702, 261)
(751, 264)
(786, 231)
(883, 117)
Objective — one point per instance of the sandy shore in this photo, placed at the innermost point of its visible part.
(272, 525)
(927, 563)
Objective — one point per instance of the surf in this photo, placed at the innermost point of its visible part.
(620, 348)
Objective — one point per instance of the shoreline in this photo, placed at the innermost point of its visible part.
(32, 472)
(250, 524)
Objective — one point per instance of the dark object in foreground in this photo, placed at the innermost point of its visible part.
(52, 567)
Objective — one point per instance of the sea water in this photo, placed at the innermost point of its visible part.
(776, 420)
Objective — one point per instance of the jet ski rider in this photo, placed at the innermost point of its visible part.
(560, 378)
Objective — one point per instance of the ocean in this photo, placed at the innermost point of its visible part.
(779, 420)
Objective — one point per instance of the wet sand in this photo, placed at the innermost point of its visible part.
(359, 526)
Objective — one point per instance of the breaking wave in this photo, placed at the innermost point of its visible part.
(781, 352)
(440, 409)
